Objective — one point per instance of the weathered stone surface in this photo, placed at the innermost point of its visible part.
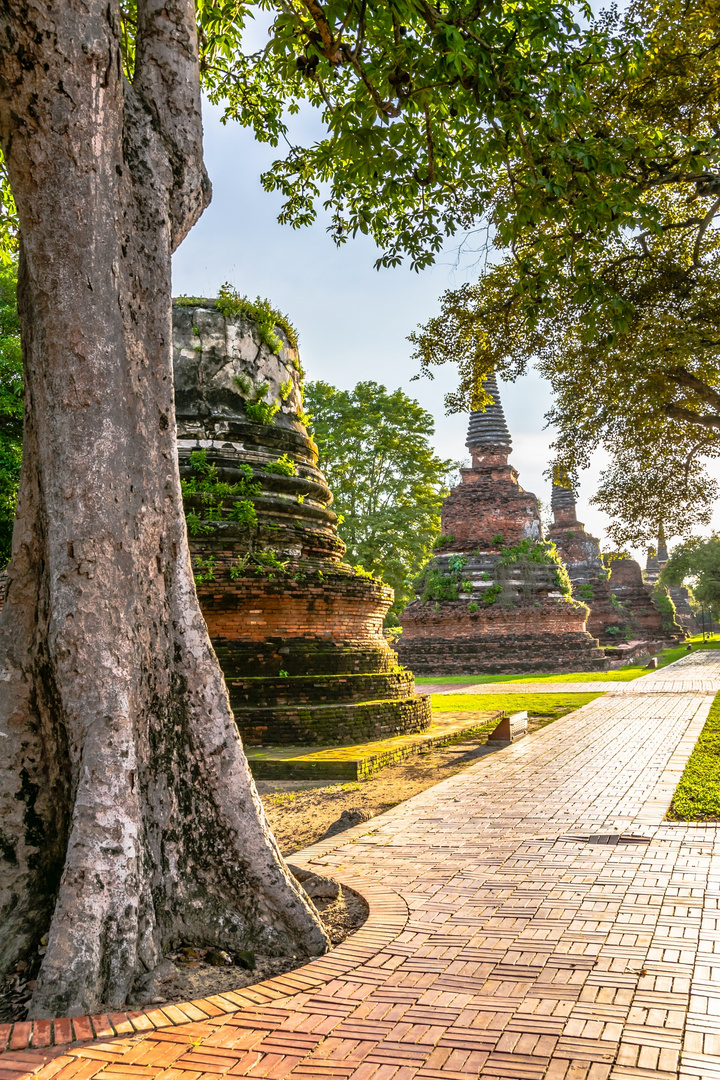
(299, 633)
(493, 600)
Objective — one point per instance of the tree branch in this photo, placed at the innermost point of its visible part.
(682, 377)
(701, 231)
(675, 412)
(168, 79)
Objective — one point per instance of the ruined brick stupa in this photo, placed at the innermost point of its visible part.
(495, 598)
(299, 633)
(580, 551)
(622, 607)
(680, 596)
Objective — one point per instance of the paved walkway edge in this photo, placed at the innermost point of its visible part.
(388, 915)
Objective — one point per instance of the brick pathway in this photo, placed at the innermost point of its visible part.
(531, 917)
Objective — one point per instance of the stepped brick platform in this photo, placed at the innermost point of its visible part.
(531, 918)
(363, 761)
(494, 599)
(299, 633)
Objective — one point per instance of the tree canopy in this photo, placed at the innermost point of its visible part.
(697, 560)
(387, 482)
(587, 150)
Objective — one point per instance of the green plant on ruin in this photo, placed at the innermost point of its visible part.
(492, 595)
(191, 301)
(360, 571)
(542, 552)
(204, 569)
(261, 313)
(195, 524)
(260, 563)
(443, 539)
(466, 586)
(243, 513)
(498, 538)
(437, 584)
(616, 603)
(562, 580)
(667, 608)
(259, 411)
(473, 606)
(284, 466)
(527, 550)
(286, 389)
(205, 485)
(586, 591)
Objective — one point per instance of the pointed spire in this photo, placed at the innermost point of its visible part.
(662, 554)
(489, 428)
(563, 498)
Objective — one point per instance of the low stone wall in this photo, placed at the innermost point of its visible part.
(332, 725)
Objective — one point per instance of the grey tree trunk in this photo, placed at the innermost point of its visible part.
(128, 817)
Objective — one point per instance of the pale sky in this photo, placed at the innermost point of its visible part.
(352, 320)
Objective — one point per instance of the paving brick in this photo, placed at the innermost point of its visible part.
(507, 936)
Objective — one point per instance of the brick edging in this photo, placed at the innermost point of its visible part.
(386, 919)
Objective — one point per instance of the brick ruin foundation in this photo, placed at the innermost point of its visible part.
(494, 599)
(299, 633)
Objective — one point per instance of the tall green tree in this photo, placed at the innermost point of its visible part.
(697, 561)
(387, 482)
(591, 157)
(11, 406)
(621, 313)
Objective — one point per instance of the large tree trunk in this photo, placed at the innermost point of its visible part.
(128, 817)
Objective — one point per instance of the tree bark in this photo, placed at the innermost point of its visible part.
(128, 817)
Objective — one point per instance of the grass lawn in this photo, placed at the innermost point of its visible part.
(697, 796)
(623, 674)
(620, 675)
(550, 706)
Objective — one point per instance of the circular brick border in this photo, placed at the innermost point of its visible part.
(387, 917)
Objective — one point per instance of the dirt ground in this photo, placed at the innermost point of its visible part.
(192, 973)
(301, 811)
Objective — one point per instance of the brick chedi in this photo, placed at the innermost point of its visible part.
(680, 596)
(299, 633)
(495, 598)
(621, 606)
(640, 611)
(580, 551)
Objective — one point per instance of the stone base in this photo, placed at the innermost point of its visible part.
(547, 635)
(343, 725)
(519, 656)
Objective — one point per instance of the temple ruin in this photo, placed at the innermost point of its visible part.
(622, 607)
(680, 596)
(495, 598)
(298, 632)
